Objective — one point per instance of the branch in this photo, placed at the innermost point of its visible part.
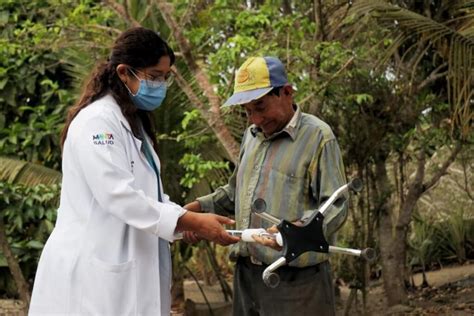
(185, 47)
(188, 90)
(213, 115)
(14, 266)
(286, 4)
(327, 82)
(195, 101)
(415, 190)
(320, 33)
(211, 312)
(435, 75)
(341, 10)
(417, 187)
(122, 11)
(442, 171)
(106, 28)
(466, 182)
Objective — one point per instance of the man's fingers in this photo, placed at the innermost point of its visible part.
(272, 230)
(267, 242)
(298, 223)
(263, 240)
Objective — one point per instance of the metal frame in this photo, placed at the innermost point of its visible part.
(307, 237)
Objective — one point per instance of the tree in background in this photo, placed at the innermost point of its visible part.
(430, 62)
(35, 90)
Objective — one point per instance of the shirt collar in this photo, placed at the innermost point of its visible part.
(290, 129)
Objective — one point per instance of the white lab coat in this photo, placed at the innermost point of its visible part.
(102, 257)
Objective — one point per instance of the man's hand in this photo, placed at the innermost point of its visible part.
(194, 206)
(267, 241)
(270, 242)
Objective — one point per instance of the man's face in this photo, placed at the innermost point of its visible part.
(271, 113)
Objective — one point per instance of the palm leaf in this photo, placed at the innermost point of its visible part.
(452, 39)
(27, 173)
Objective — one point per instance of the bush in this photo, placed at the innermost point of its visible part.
(29, 215)
(435, 242)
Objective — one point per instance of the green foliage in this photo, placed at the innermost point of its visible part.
(192, 134)
(196, 169)
(447, 35)
(35, 88)
(29, 214)
(47, 47)
(27, 173)
(198, 166)
(32, 84)
(34, 135)
(333, 56)
(440, 240)
(454, 236)
(226, 35)
(422, 242)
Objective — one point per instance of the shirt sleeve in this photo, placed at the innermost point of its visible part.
(98, 145)
(222, 201)
(166, 199)
(327, 176)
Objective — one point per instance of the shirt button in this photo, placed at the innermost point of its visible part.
(257, 167)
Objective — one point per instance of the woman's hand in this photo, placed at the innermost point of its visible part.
(206, 226)
(191, 237)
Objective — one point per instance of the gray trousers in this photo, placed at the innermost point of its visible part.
(302, 291)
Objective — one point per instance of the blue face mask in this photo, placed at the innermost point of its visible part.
(150, 94)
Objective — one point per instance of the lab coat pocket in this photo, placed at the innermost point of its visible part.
(109, 289)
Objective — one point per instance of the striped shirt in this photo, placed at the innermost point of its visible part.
(294, 171)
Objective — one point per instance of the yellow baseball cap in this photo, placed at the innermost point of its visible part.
(256, 77)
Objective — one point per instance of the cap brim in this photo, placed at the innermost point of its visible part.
(246, 96)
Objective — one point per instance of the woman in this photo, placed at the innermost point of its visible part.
(109, 252)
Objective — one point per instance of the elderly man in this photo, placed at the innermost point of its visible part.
(291, 160)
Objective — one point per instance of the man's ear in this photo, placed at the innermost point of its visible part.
(287, 90)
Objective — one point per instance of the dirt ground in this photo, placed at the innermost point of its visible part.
(451, 293)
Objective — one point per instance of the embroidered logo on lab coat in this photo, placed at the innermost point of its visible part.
(103, 139)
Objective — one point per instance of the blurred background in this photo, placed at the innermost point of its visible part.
(394, 79)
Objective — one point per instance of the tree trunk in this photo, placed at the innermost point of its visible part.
(286, 5)
(392, 253)
(393, 246)
(212, 115)
(213, 118)
(13, 265)
(392, 243)
(320, 34)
